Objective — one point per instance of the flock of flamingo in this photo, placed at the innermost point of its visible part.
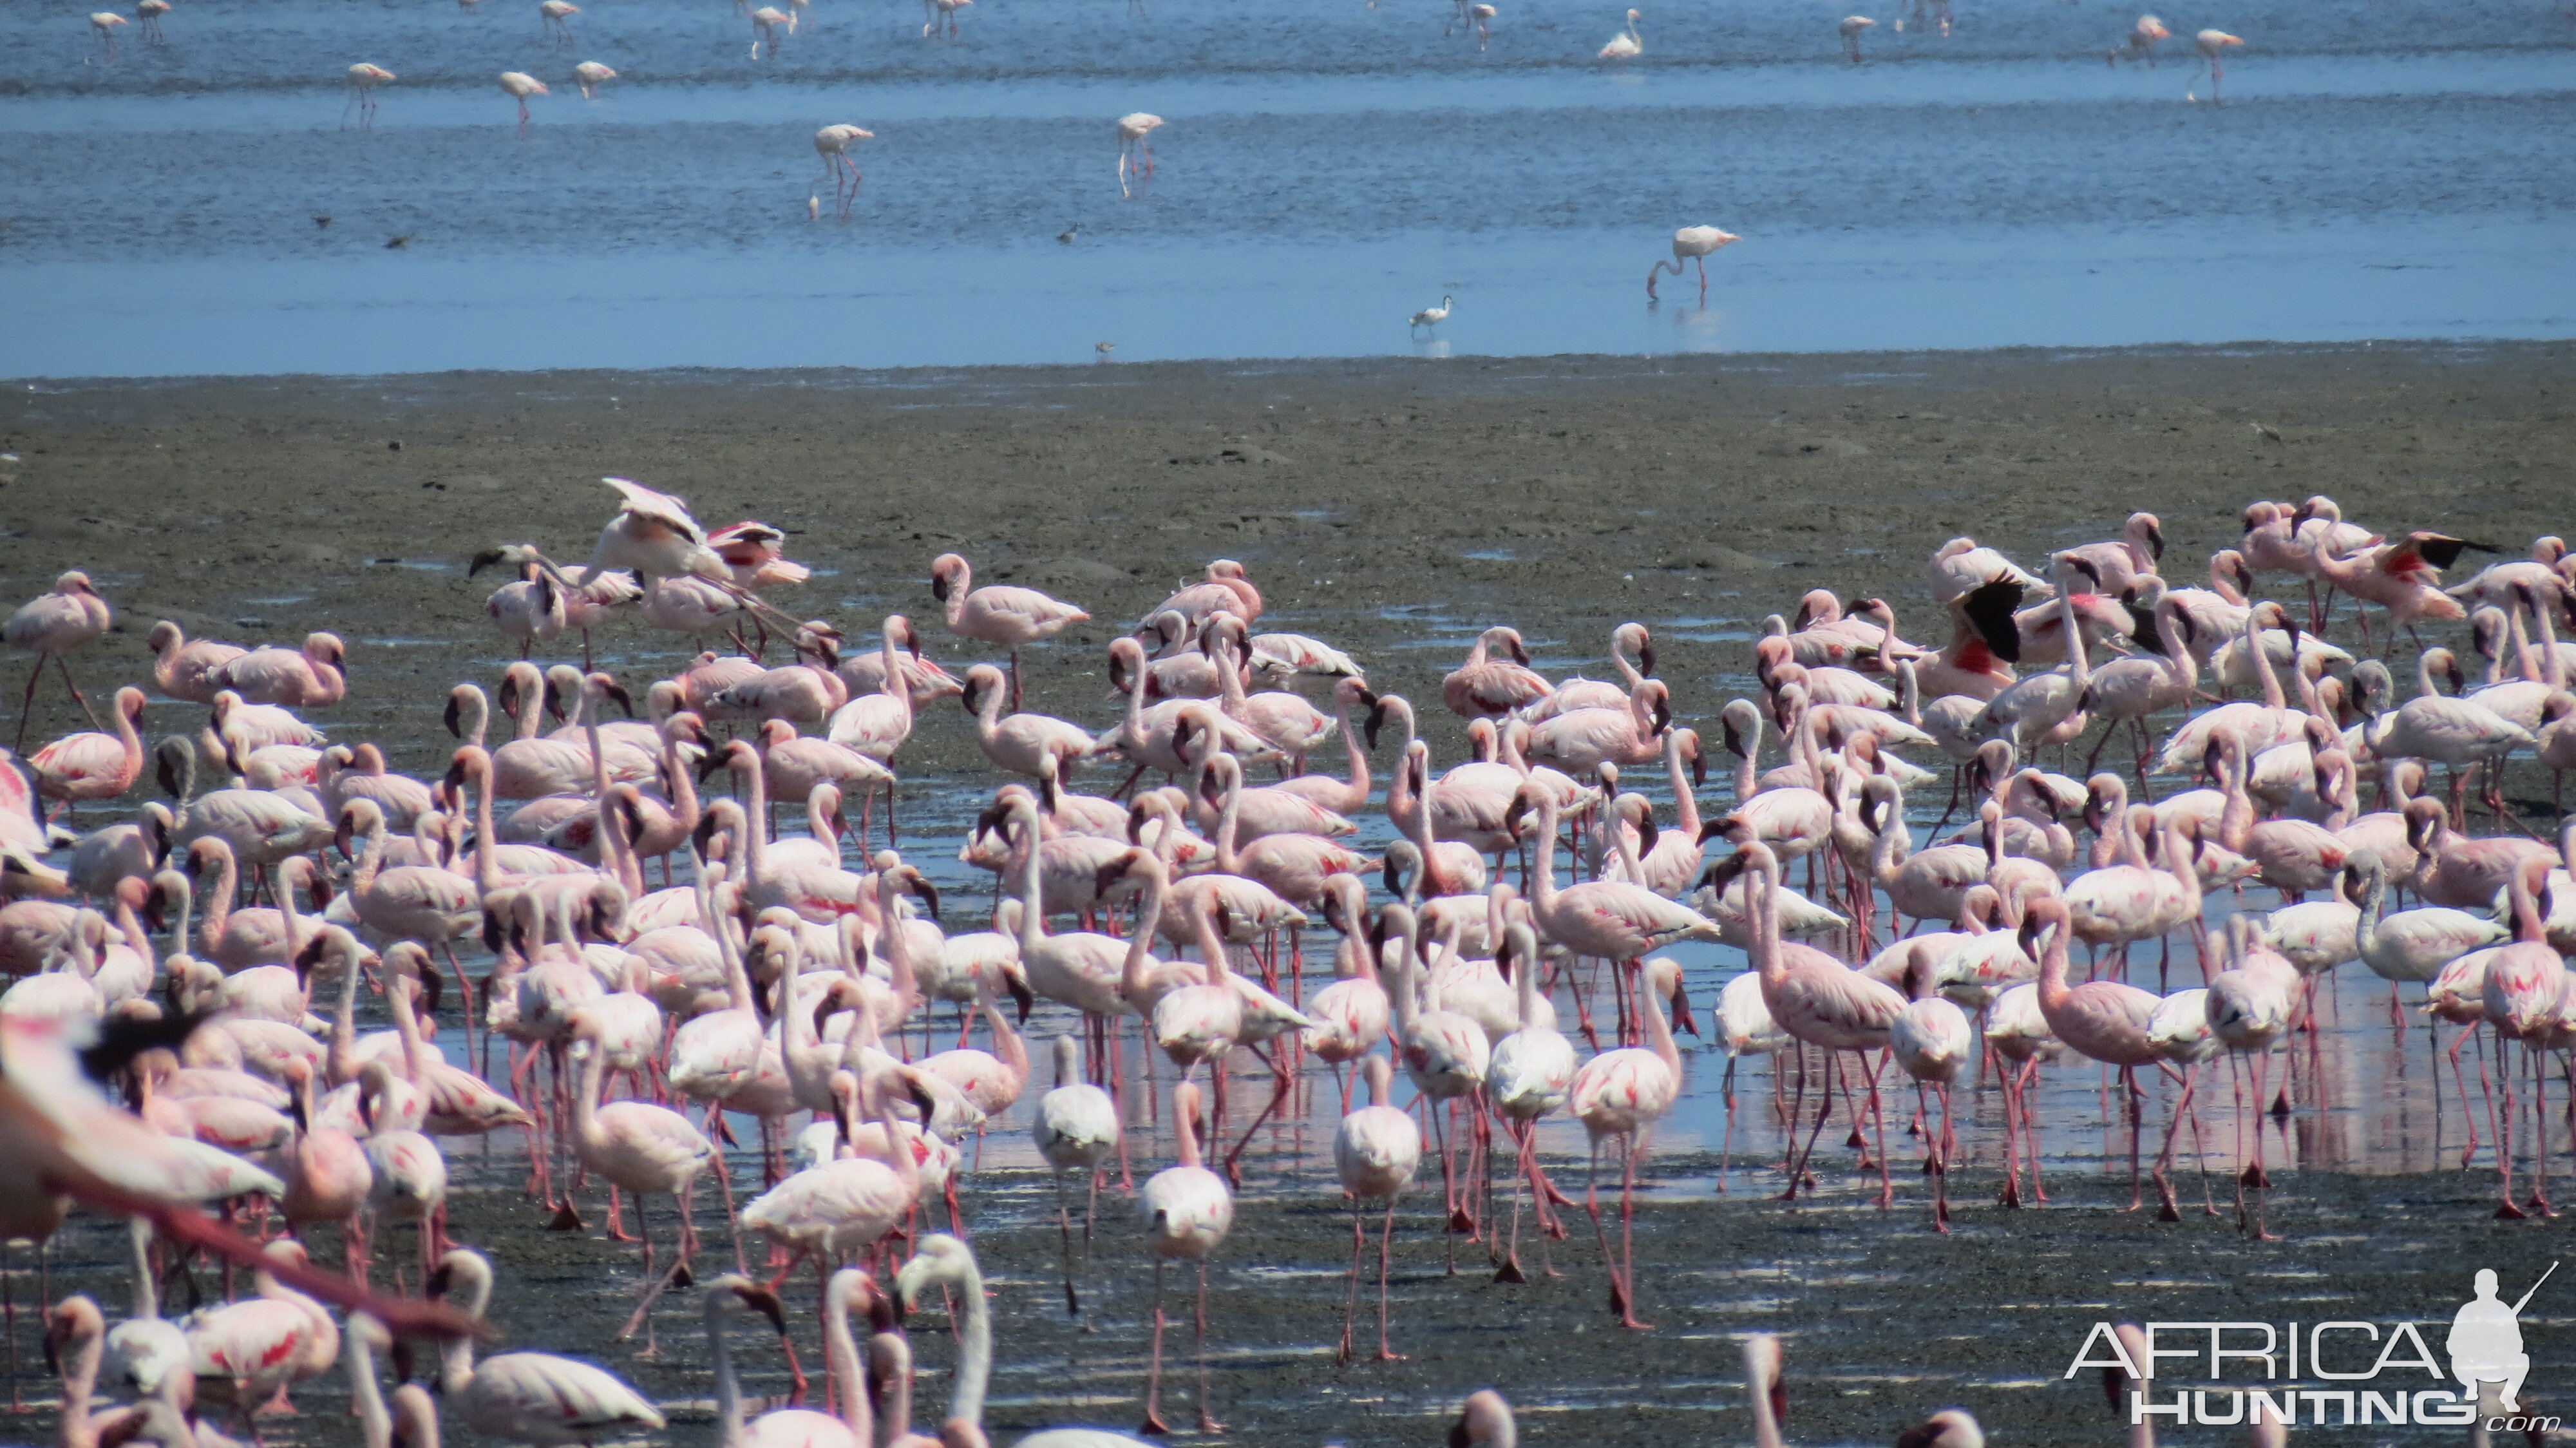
(661, 967)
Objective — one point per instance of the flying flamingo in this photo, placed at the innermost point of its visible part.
(1010, 617)
(833, 143)
(2212, 44)
(1188, 1211)
(1076, 1130)
(1851, 28)
(1135, 139)
(363, 80)
(557, 17)
(522, 85)
(1626, 45)
(1375, 1151)
(105, 22)
(69, 617)
(766, 22)
(529, 1397)
(592, 76)
(1692, 244)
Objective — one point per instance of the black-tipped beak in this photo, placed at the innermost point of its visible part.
(1021, 996)
(1646, 658)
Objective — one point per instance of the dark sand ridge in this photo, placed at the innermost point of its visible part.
(1696, 488)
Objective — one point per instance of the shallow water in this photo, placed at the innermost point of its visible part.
(1323, 175)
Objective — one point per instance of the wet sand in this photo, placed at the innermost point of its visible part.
(1698, 493)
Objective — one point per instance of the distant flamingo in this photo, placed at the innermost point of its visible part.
(314, 676)
(1077, 1130)
(1483, 15)
(88, 766)
(2212, 44)
(522, 85)
(1375, 1151)
(1692, 244)
(150, 13)
(106, 22)
(1188, 1212)
(1010, 617)
(942, 12)
(363, 80)
(1851, 28)
(833, 143)
(766, 22)
(1626, 45)
(2142, 41)
(558, 16)
(69, 617)
(1135, 132)
(592, 76)
(2105, 1019)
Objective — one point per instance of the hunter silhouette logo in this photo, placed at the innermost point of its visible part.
(2338, 1374)
(2486, 1341)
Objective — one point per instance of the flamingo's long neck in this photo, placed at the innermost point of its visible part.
(841, 1349)
(1685, 803)
(1228, 821)
(728, 1391)
(1131, 974)
(487, 870)
(1542, 886)
(1024, 827)
(2273, 698)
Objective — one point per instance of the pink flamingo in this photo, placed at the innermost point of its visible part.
(1227, 588)
(249, 1353)
(2212, 44)
(107, 23)
(363, 80)
(1076, 1130)
(2403, 577)
(52, 624)
(1817, 1000)
(2250, 1007)
(1693, 244)
(149, 12)
(2522, 998)
(1005, 616)
(592, 76)
(1530, 1076)
(1188, 1212)
(646, 1150)
(1020, 743)
(557, 18)
(1488, 688)
(180, 667)
(1625, 46)
(1351, 1014)
(81, 767)
(1623, 1093)
(766, 22)
(1850, 28)
(1135, 145)
(520, 85)
(792, 1427)
(313, 677)
(1376, 1151)
(2107, 1020)
(528, 1397)
(876, 722)
(327, 1173)
(2142, 40)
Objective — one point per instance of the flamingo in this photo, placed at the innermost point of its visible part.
(1850, 28)
(2212, 44)
(529, 1397)
(943, 12)
(106, 23)
(88, 766)
(312, 677)
(520, 85)
(1529, 1077)
(732, 1294)
(1485, 687)
(1376, 1151)
(1693, 244)
(1625, 46)
(766, 22)
(592, 76)
(2523, 998)
(1623, 1093)
(71, 615)
(246, 1354)
(556, 16)
(2142, 40)
(1187, 1211)
(2250, 1006)
(642, 1148)
(2106, 1020)
(1135, 133)
(1009, 617)
(149, 12)
(363, 80)
(833, 144)
(1076, 1130)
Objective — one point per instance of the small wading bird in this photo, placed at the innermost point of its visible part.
(1692, 244)
(1432, 316)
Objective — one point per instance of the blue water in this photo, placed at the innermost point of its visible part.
(1326, 170)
